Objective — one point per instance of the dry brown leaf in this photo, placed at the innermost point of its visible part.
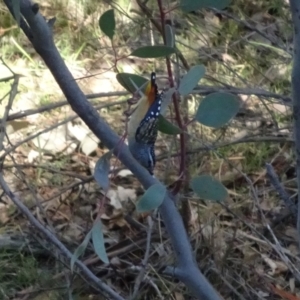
(72, 232)
(178, 296)
(291, 232)
(249, 253)
(277, 267)
(283, 294)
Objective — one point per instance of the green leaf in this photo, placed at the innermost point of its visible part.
(70, 294)
(153, 51)
(191, 5)
(191, 79)
(208, 188)
(152, 199)
(167, 127)
(124, 80)
(102, 169)
(166, 100)
(98, 241)
(170, 41)
(107, 23)
(217, 109)
(16, 10)
(80, 249)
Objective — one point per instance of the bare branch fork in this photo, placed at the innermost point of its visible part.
(295, 10)
(280, 190)
(39, 33)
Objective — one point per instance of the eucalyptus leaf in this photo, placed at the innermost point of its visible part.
(217, 109)
(107, 23)
(125, 80)
(167, 127)
(190, 80)
(80, 249)
(102, 168)
(98, 241)
(152, 198)
(209, 188)
(167, 99)
(170, 40)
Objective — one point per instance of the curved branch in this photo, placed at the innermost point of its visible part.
(42, 40)
(295, 10)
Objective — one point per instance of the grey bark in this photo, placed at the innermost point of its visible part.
(295, 10)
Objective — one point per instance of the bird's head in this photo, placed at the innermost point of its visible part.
(151, 90)
(143, 106)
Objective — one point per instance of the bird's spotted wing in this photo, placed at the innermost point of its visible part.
(146, 133)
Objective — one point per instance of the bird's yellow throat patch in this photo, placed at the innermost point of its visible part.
(150, 92)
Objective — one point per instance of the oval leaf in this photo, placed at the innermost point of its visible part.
(153, 51)
(102, 169)
(208, 188)
(152, 199)
(170, 41)
(167, 127)
(191, 79)
(98, 241)
(217, 109)
(107, 23)
(166, 100)
(80, 250)
(191, 5)
(124, 80)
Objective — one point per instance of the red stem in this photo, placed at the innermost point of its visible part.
(182, 167)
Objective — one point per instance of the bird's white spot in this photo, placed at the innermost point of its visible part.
(157, 114)
(159, 101)
(152, 113)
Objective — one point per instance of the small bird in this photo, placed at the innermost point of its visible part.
(142, 126)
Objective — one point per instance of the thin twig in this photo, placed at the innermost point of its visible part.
(205, 90)
(182, 166)
(214, 147)
(280, 189)
(274, 41)
(229, 285)
(160, 28)
(99, 285)
(33, 194)
(69, 119)
(277, 247)
(142, 272)
(12, 96)
(45, 108)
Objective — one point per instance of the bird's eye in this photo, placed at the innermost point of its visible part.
(153, 78)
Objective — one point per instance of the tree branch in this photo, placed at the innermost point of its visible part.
(285, 197)
(40, 35)
(295, 10)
